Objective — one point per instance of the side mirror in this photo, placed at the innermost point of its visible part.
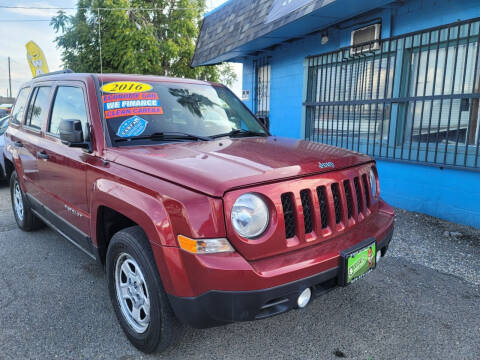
(71, 133)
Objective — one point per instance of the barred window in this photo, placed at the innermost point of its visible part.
(262, 91)
(416, 98)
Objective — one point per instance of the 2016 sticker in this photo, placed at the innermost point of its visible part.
(126, 87)
(131, 127)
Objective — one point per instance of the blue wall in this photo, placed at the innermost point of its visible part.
(449, 194)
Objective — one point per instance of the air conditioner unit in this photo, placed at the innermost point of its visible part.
(365, 39)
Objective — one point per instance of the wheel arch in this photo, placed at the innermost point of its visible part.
(116, 206)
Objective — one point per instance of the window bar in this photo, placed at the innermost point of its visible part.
(350, 98)
(269, 79)
(255, 85)
(424, 94)
(314, 98)
(260, 85)
(344, 96)
(433, 94)
(380, 60)
(362, 97)
(308, 130)
(327, 94)
(372, 70)
(474, 83)
(383, 111)
(474, 89)
(328, 89)
(353, 97)
(339, 98)
(451, 100)
(463, 92)
(407, 91)
(323, 94)
(310, 80)
(335, 107)
(400, 89)
(357, 96)
(414, 110)
(443, 92)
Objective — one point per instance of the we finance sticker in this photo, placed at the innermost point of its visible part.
(131, 127)
(126, 87)
(131, 104)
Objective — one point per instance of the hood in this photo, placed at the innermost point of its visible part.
(214, 167)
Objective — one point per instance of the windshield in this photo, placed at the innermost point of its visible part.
(144, 112)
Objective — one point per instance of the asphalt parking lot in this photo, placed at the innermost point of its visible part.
(422, 302)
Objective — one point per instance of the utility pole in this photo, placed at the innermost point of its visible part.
(9, 78)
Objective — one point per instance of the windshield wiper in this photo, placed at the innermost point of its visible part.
(166, 136)
(237, 132)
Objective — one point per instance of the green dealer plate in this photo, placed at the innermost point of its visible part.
(360, 262)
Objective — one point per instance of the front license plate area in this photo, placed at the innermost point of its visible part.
(357, 261)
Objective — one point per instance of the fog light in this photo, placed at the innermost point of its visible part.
(304, 298)
(379, 255)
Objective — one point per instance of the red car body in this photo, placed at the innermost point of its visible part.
(189, 189)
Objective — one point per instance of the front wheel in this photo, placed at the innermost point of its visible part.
(24, 216)
(137, 294)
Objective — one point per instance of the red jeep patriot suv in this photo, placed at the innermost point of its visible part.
(198, 214)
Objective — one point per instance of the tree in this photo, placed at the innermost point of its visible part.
(135, 37)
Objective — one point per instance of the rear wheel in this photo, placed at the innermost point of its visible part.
(137, 294)
(24, 216)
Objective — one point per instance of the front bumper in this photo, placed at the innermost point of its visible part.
(215, 308)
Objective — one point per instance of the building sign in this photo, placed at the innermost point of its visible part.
(281, 8)
(245, 95)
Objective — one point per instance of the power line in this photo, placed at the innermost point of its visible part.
(31, 20)
(88, 8)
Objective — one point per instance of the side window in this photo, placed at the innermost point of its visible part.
(69, 104)
(19, 108)
(38, 107)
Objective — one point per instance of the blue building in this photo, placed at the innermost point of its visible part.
(399, 80)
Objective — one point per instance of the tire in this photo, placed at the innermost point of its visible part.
(24, 216)
(129, 251)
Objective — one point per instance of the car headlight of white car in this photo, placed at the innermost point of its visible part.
(250, 215)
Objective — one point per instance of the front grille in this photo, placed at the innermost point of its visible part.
(337, 202)
(355, 197)
(348, 195)
(307, 210)
(288, 215)
(358, 191)
(366, 189)
(322, 201)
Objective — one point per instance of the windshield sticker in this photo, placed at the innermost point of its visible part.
(134, 126)
(130, 96)
(150, 110)
(130, 104)
(126, 87)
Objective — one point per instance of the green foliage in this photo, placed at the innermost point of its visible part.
(139, 41)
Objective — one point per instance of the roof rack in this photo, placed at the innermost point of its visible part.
(66, 71)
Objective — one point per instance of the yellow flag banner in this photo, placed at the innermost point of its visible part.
(36, 59)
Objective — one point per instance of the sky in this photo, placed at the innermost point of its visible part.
(18, 26)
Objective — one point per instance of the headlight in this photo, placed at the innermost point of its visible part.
(373, 182)
(250, 216)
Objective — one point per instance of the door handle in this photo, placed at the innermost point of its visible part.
(18, 144)
(42, 155)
